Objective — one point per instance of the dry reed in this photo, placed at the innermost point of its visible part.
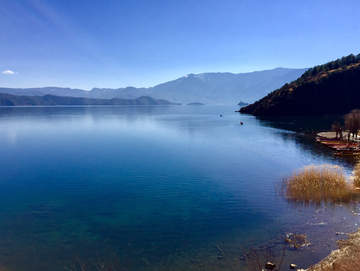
(297, 240)
(357, 175)
(317, 184)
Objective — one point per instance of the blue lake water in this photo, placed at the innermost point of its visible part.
(155, 188)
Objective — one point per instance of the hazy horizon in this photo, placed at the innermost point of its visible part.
(130, 86)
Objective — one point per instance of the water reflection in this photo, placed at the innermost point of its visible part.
(301, 124)
(304, 133)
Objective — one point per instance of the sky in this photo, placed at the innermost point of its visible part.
(141, 43)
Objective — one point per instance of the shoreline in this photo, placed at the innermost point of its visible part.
(346, 257)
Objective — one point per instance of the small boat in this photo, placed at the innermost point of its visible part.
(322, 138)
(332, 141)
(343, 145)
(348, 151)
(343, 153)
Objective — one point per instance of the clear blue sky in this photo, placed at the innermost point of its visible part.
(119, 43)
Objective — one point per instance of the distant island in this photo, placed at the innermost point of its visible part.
(13, 100)
(242, 104)
(332, 88)
(195, 103)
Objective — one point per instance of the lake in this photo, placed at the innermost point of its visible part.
(157, 188)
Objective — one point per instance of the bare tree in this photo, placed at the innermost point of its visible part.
(336, 127)
(352, 122)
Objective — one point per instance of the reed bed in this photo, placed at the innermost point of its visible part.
(317, 184)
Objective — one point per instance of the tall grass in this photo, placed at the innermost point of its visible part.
(317, 184)
(357, 175)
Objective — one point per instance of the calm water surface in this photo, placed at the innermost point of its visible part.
(155, 188)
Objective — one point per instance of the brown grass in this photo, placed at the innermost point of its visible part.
(326, 184)
(317, 184)
(357, 175)
(297, 240)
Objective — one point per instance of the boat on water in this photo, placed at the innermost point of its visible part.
(343, 146)
(343, 153)
(348, 151)
(321, 139)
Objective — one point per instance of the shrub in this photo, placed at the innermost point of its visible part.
(316, 184)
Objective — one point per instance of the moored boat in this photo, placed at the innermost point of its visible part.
(328, 139)
(332, 141)
(347, 151)
(342, 146)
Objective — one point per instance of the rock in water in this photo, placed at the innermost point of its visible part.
(270, 265)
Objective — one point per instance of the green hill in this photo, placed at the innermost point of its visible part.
(332, 88)
(14, 100)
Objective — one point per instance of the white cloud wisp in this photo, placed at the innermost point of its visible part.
(8, 72)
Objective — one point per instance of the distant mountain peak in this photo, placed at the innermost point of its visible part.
(208, 88)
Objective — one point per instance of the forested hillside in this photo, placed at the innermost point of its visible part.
(332, 88)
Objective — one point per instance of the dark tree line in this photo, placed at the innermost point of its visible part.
(333, 65)
(332, 88)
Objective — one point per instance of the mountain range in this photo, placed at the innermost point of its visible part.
(207, 88)
(14, 100)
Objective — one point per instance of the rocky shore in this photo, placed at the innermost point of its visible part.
(345, 258)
